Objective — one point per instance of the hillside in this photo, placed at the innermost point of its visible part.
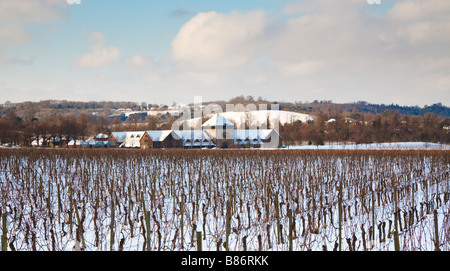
(256, 119)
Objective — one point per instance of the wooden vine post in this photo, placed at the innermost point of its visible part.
(228, 225)
(436, 232)
(199, 241)
(4, 235)
(340, 215)
(291, 229)
(396, 239)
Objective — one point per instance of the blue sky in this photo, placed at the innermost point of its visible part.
(171, 51)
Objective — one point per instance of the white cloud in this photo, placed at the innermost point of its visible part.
(338, 51)
(413, 10)
(14, 14)
(19, 11)
(12, 35)
(99, 57)
(425, 32)
(213, 40)
(312, 49)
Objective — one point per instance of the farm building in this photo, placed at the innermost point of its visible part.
(101, 137)
(50, 141)
(257, 138)
(221, 130)
(77, 144)
(194, 138)
(135, 140)
(164, 139)
(117, 137)
(217, 131)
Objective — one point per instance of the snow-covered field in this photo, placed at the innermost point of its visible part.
(375, 146)
(257, 118)
(134, 200)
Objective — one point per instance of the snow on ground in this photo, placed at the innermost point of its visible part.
(375, 146)
(160, 182)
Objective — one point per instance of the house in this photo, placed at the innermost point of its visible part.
(264, 138)
(117, 138)
(37, 142)
(133, 140)
(164, 139)
(194, 138)
(137, 139)
(220, 130)
(77, 144)
(217, 131)
(46, 141)
(64, 141)
(101, 137)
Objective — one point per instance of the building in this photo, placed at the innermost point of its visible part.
(216, 132)
(194, 138)
(220, 130)
(164, 139)
(136, 140)
(260, 138)
(117, 138)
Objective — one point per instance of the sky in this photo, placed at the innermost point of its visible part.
(154, 51)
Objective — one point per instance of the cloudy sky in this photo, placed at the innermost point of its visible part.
(159, 51)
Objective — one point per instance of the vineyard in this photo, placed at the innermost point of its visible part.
(280, 200)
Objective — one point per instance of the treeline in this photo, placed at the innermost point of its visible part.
(15, 130)
(49, 109)
(363, 107)
(18, 131)
(368, 128)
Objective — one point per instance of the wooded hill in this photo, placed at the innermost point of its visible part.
(48, 109)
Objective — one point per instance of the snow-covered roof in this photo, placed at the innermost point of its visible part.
(193, 137)
(101, 136)
(217, 120)
(159, 135)
(35, 142)
(253, 136)
(77, 142)
(119, 136)
(132, 139)
(91, 141)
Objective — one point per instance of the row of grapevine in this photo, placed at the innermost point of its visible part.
(224, 200)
